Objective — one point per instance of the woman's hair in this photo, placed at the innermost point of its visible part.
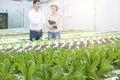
(55, 6)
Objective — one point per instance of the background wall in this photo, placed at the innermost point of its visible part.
(108, 15)
(86, 14)
(94, 14)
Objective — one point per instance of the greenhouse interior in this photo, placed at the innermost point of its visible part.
(59, 39)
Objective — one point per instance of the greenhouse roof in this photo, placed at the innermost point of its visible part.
(42, 1)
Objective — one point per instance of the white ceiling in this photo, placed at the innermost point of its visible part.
(42, 1)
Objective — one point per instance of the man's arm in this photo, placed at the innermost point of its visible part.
(43, 18)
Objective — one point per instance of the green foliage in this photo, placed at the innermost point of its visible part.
(3, 20)
(90, 63)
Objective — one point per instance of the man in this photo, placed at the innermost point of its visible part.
(37, 21)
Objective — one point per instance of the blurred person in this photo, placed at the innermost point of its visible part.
(37, 21)
(54, 22)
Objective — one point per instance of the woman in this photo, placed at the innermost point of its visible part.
(54, 23)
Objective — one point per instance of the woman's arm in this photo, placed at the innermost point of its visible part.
(48, 25)
(64, 16)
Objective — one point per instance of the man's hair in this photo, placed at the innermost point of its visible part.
(35, 1)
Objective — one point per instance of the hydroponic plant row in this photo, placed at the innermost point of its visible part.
(70, 44)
